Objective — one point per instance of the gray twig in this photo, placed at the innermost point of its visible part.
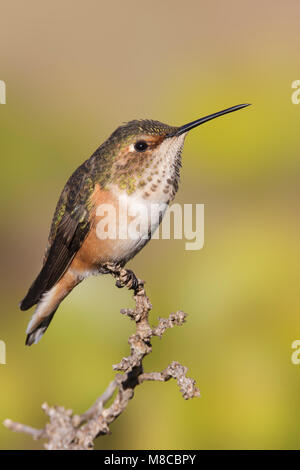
(66, 430)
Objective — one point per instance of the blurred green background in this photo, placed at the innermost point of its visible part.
(74, 71)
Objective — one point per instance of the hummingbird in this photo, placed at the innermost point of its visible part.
(138, 164)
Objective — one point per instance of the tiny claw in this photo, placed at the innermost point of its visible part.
(132, 279)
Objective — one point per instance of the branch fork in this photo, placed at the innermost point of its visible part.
(69, 431)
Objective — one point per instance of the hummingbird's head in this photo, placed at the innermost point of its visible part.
(146, 150)
(142, 151)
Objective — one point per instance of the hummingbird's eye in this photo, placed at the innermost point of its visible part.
(140, 146)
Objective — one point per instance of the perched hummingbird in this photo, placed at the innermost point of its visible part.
(139, 164)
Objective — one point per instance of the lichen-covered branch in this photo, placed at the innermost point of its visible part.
(66, 430)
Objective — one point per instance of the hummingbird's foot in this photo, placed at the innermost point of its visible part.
(128, 279)
(125, 278)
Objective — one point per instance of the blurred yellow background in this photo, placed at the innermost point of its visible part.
(74, 71)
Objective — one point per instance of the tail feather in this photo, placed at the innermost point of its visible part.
(69, 238)
(37, 333)
(47, 306)
(37, 289)
(42, 316)
(33, 295)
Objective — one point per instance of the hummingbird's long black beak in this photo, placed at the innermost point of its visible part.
(191, 125)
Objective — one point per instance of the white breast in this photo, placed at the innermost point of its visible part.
(141, 211)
